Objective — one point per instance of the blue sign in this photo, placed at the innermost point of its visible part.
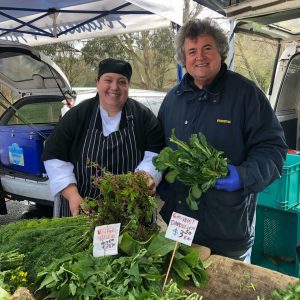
(16, 156)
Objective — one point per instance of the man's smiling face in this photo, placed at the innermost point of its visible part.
(202, 59)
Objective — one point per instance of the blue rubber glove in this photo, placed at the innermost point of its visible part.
(230, 183)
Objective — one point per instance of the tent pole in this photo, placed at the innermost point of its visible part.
(231, 46)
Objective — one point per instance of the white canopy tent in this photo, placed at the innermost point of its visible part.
(37, 22)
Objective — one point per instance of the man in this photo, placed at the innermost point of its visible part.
(236, 118)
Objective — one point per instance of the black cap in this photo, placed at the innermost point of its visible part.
(111, 65)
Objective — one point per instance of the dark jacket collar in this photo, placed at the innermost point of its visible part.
(210, 93)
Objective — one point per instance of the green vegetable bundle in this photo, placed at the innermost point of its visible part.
(125, 199)
(292, 292)
(57, 253)
(196, 164)
(33, 244)
(136, 274)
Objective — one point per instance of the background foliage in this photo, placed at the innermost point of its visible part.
(152, 56)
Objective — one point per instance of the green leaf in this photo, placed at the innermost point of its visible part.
(171, 176)
(55, 277)
(73, 288)
(162, 161)
(199, 277)
(63, 293)
(182, 269)
(191, 202)
(129, 245)
(49, 279)
(3, 293)
(160, 246)
(181, 145)
(196, 191)
(134, 270)
(192, 258)
(174, 275)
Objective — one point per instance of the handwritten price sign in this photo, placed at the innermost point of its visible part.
(181, 229)
(106, 239)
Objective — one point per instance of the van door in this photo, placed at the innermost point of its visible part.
(287, 105)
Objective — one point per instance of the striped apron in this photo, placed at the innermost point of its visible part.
(117, 153)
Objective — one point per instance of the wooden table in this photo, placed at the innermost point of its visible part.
(234, 280)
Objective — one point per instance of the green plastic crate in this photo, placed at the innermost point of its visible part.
(284, 193)
(276, 235)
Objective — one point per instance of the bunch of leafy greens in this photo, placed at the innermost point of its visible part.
(57, 253)
(33, 244)
(125, 199)
(136, 274)
(11, 273)
(195, 163)
(11, 260)
(292, 292)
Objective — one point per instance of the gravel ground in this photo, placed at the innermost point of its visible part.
(17, 210)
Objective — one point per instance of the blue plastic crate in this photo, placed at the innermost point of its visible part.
(276, 235)
(21, 147)
(284, 193)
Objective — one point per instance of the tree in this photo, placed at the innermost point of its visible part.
(191, 10)
(255, 58)
(151, 54)
(70, 60)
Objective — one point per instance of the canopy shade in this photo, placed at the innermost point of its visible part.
(37, 22)
(275, 19)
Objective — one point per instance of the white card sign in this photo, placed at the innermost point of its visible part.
(181, 228)
(106, 239)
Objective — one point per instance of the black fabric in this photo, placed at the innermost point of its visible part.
(236, 118)
(3, 209)
(66, 140)
(111, 65)
(117, 153)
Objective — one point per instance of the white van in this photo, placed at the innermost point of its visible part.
(279, 21)
(149, 98)
(32, 90)
(43, 92)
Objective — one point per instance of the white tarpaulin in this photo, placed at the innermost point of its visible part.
(37, 22)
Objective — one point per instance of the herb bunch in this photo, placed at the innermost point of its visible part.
(33, 244)
(125, 199)
(136, 275)
(195, 163)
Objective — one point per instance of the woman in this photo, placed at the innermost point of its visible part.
(112, 130)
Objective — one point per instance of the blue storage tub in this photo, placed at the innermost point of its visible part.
(21, 147)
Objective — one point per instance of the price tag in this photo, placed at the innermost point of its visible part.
(106, 239)
(181, 229)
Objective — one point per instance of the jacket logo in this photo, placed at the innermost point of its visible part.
(224, 121)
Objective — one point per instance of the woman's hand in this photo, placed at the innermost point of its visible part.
(149, 180)
(72, 195)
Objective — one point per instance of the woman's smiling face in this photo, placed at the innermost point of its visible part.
(113, 91)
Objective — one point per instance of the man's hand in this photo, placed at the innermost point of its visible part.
(230, 183)
(149, 180)
(72, 195)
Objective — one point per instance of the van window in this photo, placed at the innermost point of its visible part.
(289, 97)
(37, 113)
